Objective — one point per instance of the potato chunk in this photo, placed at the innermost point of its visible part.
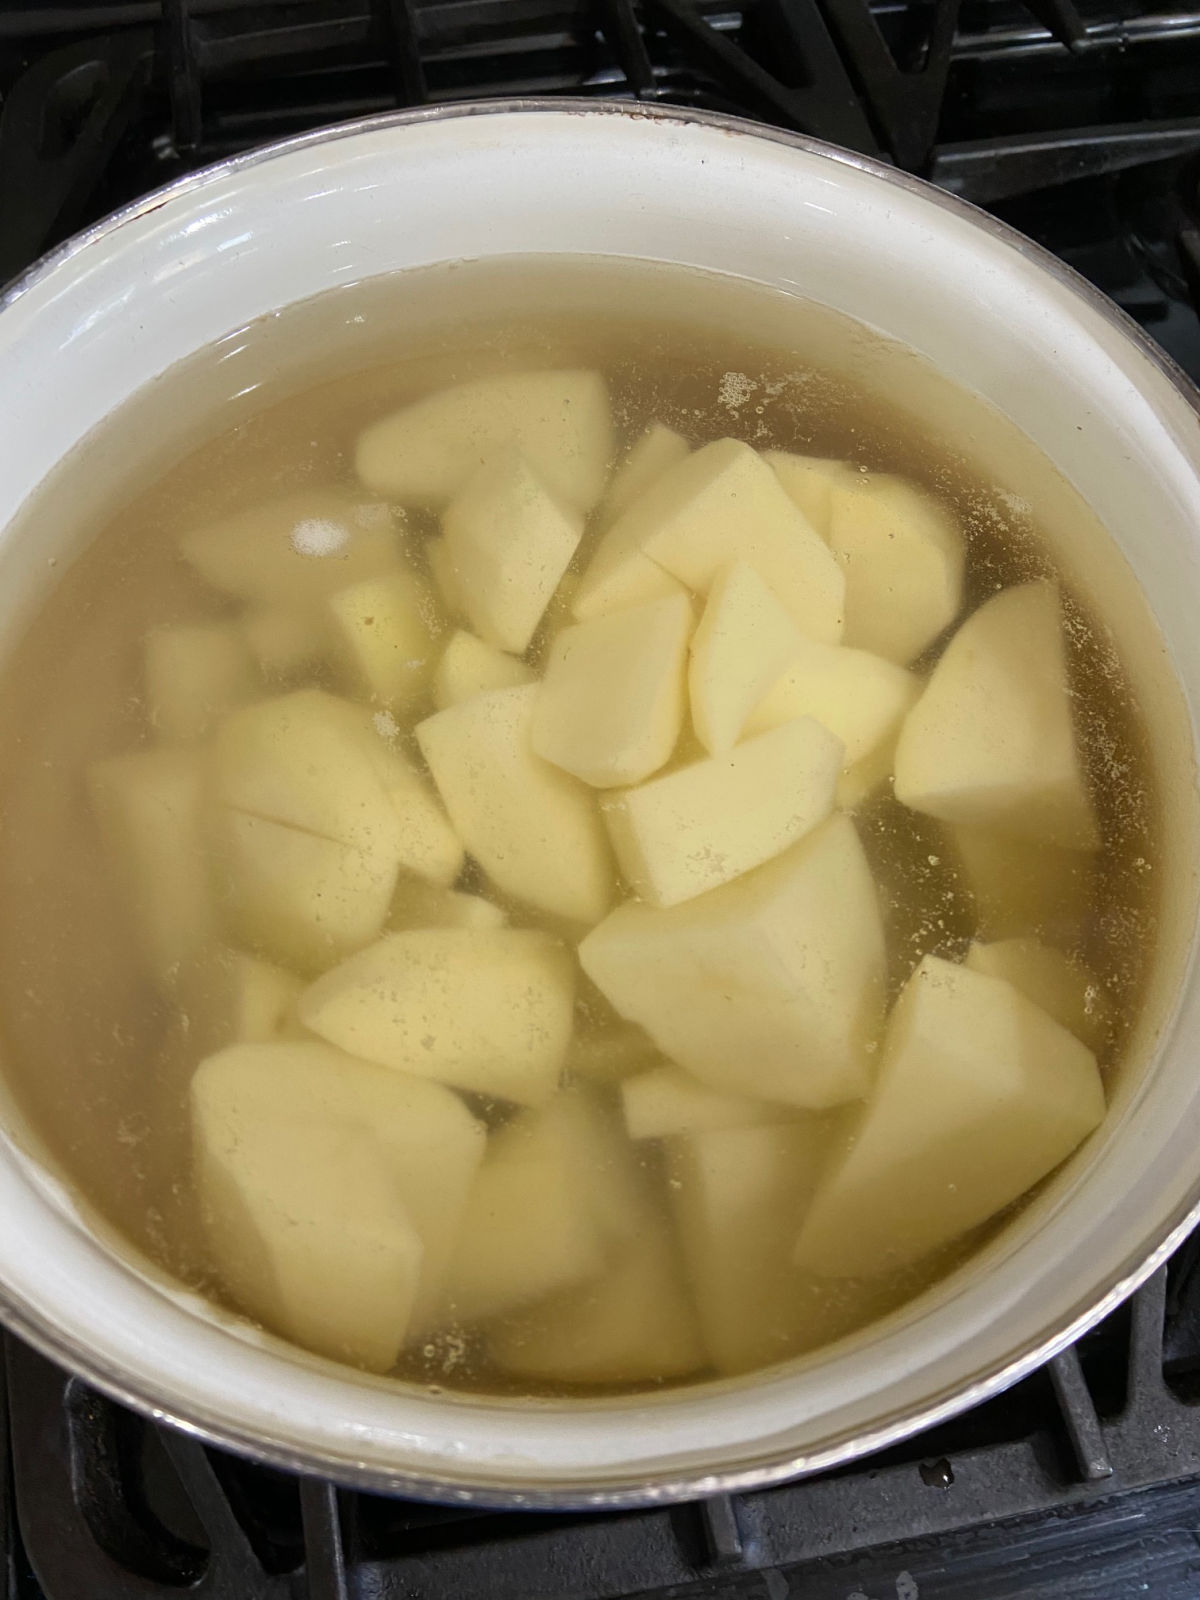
(658, 449)
(1065, 988)
(194, 673)
(903, 557)
(611, 704)
(634, 1324)
(667, 1101)
(700, 826)
(1019, 887)
(313, 762)
(276, 1195)
(534, 830)
(149, 807)
(721, 504)
(295, 551)
(385, 631)
(980, 1094)
(771, 986)
(859, 697)
(744, 641)
(991, 742)
(293, 896)
(509, 541)
(557, 1196)
(559, 420)
(469, 666)
(810, 481)
(739, 1196)
(487, 1010)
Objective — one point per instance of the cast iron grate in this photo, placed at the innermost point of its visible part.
(1082, 1483)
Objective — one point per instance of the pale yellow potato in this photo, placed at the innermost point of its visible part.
(418, 904)
(533, 829)
(699, 826)
(315, 762)
(385, 632)
(991, 742)
(559, 420)
(611, 702)
(1060, 984)
(444, 572)
(149, 807)
(192, 674)
(903, 557)
(1019, 887)
(285, 641)
(980, 1094)
(743, 641)
(253, 1107)
(667, 1100)
(860, 697)
(469, 666)
(810, 481)
(721, 504)
(633, 1324)
(293, 552)
(649, 457)
(509, 542)
(771, 986)
(489, 1010)
(738, 1196)
(297, 898)
(558, 1196)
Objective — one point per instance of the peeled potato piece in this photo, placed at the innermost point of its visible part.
(294, 552)
(651, 455)
(721, 504)
(193, 673)
(1069, 991)
(612, 700)
(486, 1010)
(280, 1133)
(534, 830)
(634, 1324)
(739, 1195)
(771, 986)
(557, 1196)
(859, 697)
(903, 558)
(385, 631)
(810, 482)
(468, 666)
(991, 741)
(314, 762)
(701, 825)
(300, 899)
(667, 1101)
(743, 642)
(1021, 887)
(980, 1094)
(559, 420)
(149, 807)
(509, 541)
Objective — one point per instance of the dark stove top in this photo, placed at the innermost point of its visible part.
(1079, 122)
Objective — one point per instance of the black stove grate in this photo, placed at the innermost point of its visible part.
(1082, 1483)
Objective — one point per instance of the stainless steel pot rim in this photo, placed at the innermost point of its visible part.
(213, 1428)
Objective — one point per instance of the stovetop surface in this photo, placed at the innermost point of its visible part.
(1079, 122)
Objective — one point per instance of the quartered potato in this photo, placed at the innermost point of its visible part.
(468, 666)
(811, 481)
(991, 741)
(743, 642)
(649, 457)
(386, 631)
(667, 1101)
(193, 673)
(1064, 987)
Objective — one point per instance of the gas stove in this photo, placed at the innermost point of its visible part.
(1080, 124)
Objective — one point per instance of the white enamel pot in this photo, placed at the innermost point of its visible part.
(1072, 408)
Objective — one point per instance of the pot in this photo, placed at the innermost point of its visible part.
(998, 349)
